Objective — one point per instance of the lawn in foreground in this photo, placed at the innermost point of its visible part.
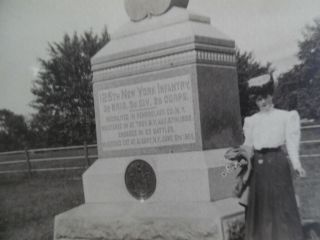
(28, 206)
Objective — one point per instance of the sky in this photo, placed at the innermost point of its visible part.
(270, 29)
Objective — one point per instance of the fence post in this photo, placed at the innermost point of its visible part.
(86, 154)
(28, 161)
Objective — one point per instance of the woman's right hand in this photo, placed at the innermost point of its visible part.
(232, 153)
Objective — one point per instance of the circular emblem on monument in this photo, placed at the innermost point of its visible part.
(140, 179)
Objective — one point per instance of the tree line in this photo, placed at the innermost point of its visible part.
(63, 96)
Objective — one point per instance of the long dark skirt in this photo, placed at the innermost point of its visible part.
(272, 212)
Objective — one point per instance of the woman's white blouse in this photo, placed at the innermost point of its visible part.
(272, 129)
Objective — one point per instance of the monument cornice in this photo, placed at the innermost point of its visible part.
(176, 29)
(162, 49)
(127, 67)
(144, 54)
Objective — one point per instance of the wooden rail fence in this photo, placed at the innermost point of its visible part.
(81, 157)
(29, 161)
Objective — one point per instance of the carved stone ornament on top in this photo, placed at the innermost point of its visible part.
(138, 10)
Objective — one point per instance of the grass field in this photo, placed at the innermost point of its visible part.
(28, 206)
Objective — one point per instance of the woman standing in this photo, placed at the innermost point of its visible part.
(272, 212)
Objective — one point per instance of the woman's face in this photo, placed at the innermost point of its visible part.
(264, 103)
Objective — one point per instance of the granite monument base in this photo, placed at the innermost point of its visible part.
(191, 200)
(135, 220)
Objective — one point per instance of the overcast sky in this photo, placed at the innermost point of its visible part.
(268, 28)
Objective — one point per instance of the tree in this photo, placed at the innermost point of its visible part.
(299, 88)
(309, 84)
(63, 91)
(13, 131)
(248, 68)
(286, 95)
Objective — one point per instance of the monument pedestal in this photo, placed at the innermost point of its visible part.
(192, 200)
(166, 107)
(179, 177)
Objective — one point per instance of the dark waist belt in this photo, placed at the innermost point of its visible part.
(267, 150)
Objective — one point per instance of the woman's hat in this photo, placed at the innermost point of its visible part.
(262, 85)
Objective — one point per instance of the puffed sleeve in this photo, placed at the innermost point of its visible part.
(293, 138)
(247, 130)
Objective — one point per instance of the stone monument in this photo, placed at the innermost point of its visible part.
(167, 107)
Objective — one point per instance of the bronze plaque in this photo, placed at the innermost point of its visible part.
(140, 179)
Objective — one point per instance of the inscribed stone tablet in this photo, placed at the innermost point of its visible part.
(149, 114)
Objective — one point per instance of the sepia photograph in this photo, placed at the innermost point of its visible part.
(159, 119)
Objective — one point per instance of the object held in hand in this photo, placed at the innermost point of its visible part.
(236, 159)
(230, 167)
